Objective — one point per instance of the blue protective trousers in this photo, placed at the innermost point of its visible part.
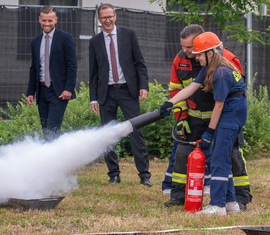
(167, 182)
(232, 119)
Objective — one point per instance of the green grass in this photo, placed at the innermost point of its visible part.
(96, 207)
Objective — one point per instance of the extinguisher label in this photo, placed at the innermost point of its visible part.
(196, 175)
(195, 190)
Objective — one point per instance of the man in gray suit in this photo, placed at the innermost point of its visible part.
(118, 76)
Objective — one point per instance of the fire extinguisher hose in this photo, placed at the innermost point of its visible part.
(175, 126)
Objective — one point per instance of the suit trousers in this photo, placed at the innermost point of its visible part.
(51, 112)
(121, 97)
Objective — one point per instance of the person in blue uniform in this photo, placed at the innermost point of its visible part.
(222, 78)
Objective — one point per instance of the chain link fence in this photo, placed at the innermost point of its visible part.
(158, 37)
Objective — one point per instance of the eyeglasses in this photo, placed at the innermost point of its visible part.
(107, 18)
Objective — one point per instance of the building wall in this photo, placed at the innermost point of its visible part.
(138, 4)
(9, 2)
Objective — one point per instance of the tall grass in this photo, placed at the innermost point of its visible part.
(97, 207)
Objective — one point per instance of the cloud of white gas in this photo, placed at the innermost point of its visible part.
(32, 169)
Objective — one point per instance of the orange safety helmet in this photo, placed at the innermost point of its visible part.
(205, 42)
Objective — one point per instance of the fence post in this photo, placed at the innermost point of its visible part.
(97, 24)
(249, 50)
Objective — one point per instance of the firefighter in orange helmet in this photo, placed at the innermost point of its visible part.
(220, 77)
(197, 111)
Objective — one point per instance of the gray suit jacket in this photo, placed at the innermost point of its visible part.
(130, 59)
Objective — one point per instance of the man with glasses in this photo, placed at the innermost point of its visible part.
(118, 77)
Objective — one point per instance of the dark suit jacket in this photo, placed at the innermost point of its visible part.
(63, 64)
(130, 59)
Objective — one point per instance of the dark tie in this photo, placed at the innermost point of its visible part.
(113, 61)
(47, 62)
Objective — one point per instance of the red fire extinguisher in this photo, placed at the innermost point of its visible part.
(195, 180)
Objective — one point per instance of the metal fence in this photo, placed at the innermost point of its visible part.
(158, 38)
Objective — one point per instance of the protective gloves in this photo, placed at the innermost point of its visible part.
(183, 129)
(207, 138)
(163, 110)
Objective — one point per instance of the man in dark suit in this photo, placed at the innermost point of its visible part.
(52, 73)
(118, 76)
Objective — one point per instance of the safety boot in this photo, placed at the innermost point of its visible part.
(242, 206)
(175, 202)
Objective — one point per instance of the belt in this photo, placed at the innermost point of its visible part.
(118, 86)
(237, 93)
(42, 83)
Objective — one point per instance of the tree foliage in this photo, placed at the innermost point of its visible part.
(228, 14)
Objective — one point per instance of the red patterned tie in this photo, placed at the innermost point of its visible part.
(113, 61)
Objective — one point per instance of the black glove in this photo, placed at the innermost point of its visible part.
(164, 109)
(207, 138)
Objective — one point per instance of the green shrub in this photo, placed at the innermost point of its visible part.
(24, 120)
(78, 115)
(257, 127)
(157, 135)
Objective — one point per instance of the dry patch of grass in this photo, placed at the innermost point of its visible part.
(97, 207)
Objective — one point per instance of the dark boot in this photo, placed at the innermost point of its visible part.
(146, 182)
(175, 202)
(114, 180)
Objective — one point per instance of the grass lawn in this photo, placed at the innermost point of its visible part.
(96, 207)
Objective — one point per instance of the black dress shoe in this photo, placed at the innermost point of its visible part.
(114, 180)
(146, 182)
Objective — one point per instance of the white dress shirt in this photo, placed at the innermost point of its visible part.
(119, 69)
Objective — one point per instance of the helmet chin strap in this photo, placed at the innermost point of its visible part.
(206, 58)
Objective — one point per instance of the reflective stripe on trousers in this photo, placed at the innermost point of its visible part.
(179, 178)
(240, 180)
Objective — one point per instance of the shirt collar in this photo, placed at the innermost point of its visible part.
(50, 34)
(113, 32)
